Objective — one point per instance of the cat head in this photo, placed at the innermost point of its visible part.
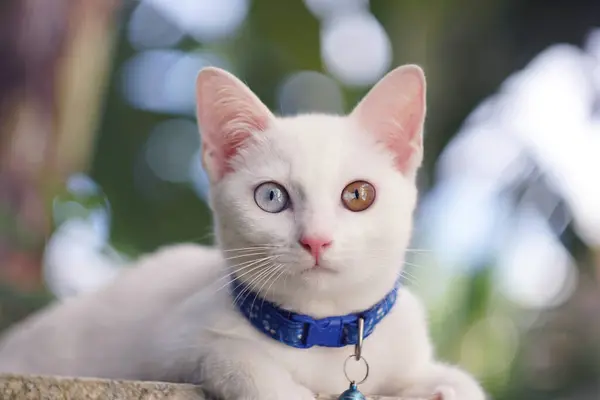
(313, 211)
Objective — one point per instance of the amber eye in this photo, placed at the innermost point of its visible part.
(358, 196)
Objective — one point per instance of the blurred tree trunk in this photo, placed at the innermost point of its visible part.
(54, 58)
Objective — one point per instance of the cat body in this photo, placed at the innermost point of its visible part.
(313, 213)
(164, 316)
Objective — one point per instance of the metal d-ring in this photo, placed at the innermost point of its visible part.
(346, 371)
(359, 342)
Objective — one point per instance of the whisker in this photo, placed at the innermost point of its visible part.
(411, 283)
(274, 270)
(251, 263)
(269, 259)
(285, 281)
(256, 281)
(408, 273)
(412, 264)
(261, 253)
(275, 279)
(410, 280)
(248, 286)
(381, 249)
(197, 239)
(418, 250)
(250, 248)
(242, 265)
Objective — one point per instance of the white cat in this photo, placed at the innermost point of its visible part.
(313, 213)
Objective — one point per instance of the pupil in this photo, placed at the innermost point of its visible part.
(271, 195)
(356, 194)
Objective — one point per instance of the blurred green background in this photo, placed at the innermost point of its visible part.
(98, 153)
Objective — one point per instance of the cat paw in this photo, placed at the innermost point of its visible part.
(444, 382)
(444, 393)
(450, 393)
(303, 394)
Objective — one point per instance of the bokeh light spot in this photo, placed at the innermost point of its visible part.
(163, 80)
(149, 28)
(170, 148)
(325, 9)
(205, 20)
(356, 49)
(535, 271)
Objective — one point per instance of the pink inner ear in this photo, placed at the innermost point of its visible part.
(394, 111)
(406, 146)
(233, 141)
(228, 115)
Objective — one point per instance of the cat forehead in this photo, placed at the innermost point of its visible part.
(316, 150)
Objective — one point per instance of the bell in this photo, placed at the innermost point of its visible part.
(352, 393)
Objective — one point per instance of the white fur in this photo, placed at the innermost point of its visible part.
(166, 319)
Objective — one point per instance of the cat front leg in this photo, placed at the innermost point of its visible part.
(445, 382)
(239, 370)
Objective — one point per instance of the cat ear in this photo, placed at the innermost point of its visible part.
(394, 111)
(228, 115)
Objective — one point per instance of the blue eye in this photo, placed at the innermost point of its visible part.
(271, 197)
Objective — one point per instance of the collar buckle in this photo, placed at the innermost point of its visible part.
(328, 332)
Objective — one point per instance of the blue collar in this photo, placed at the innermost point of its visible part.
(303, 331)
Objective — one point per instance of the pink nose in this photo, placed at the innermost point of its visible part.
(315, 245)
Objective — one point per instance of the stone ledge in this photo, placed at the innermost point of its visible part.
(14, 387)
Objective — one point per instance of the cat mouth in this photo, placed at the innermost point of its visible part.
(318, 269)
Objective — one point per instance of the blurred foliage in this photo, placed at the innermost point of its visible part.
(16, 305)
